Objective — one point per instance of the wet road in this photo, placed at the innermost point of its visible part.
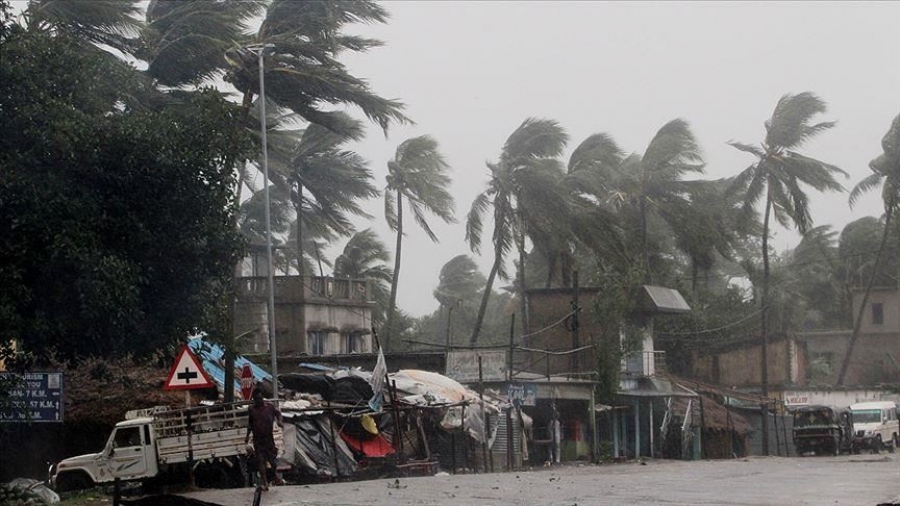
(856, 480)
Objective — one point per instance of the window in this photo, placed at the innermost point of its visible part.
(877, 313)
(354, 342)
(316, 343)
(127, 436)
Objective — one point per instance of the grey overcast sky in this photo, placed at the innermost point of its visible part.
(471, 72)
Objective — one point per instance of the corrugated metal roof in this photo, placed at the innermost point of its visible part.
(212, 357)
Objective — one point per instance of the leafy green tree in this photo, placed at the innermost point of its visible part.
(777, 178)
(524, 192)
(365, 257)
(119, 222)
(419, 175)
(459, 287)
(886, 172)
(815, 269)
(459, 279)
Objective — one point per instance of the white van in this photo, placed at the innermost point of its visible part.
(875, 426)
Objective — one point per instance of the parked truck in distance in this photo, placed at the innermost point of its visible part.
(875, 426)
(167, 445)
(822, 429)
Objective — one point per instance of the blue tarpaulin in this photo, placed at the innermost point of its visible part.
(212, 356)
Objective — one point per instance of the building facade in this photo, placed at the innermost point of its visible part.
(313, 315)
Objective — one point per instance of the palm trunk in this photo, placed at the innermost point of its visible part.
(643, 209)
(484, 299)
(300, 232)
(394, 282)
(857, 325)
(523, 302)
(764, 326)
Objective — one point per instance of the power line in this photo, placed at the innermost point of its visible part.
(717, 329)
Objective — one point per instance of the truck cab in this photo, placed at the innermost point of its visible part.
(875, 426)
(129, 454)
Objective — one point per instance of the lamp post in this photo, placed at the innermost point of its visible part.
(270, 282)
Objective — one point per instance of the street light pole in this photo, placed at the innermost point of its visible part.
(270, 309)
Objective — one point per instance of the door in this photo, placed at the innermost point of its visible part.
(129, 452)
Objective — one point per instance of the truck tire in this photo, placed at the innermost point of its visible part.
(76, 480)
(211, 475)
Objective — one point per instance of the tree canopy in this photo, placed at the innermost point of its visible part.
(119, 222)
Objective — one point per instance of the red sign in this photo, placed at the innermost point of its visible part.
(246, 382)
(187, 373)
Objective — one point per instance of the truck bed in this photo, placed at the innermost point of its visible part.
(203, 432)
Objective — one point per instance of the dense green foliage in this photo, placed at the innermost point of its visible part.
(117, 222)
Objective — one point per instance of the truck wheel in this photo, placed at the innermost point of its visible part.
(67, 482)
(211, 476)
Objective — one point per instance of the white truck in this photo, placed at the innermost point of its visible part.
(875, 426)
(204, 443)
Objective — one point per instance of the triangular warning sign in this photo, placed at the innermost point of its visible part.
(187, 373)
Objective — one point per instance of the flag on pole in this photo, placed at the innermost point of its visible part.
(377, 382)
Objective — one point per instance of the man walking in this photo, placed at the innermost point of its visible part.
(263, 417)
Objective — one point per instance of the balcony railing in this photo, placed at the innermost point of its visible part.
(294, 288)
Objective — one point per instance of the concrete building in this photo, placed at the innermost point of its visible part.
(804, 367)
(313, 315)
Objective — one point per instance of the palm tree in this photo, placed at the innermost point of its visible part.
(418, 174)
(596, 223)
(526, 195)
(251, 219)
(364, 257)
(886, 172)
(112, 24)
(303, 39)
(326, 182)
(776, 177)
(651, 186)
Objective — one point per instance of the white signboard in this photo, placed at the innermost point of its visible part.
(463, 365)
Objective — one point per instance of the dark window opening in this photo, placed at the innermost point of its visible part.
(877, 313)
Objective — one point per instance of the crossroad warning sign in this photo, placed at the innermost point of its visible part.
(187, 373)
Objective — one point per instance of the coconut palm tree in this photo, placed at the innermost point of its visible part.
(364, 257)
(526, 196)
(112, 24)
(302, 40)
(651, 187)
(326, 182)
(777, 178)
(419, 175)
(251, 219)
(886, 172)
